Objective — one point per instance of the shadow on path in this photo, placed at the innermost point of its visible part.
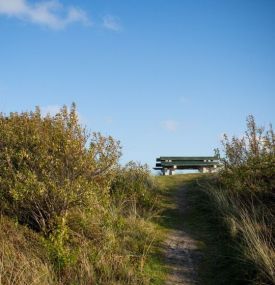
(182, 255)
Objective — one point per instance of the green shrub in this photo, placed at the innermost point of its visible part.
(46, 167)
(133, 188)
(249, 163)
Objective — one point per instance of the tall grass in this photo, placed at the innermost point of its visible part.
(242, 194)
(259, 244)
(20, 257)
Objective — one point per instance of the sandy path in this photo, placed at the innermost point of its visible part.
(181, 253)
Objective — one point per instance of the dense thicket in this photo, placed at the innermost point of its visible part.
(80, 207)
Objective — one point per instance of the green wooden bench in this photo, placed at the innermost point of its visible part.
(204, 164)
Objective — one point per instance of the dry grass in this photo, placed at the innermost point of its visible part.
(20, 261)
(250, 226)
(103, 248)
(259, 245)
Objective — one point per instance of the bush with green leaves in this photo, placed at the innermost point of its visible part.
(133, 187)
(249, 163)
(50, 165)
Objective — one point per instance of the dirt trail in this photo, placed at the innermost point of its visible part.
(181, 252)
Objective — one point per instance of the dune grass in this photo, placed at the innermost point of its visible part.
(237, 247)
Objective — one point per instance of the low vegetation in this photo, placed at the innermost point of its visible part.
(247, 199)
(233, 212)
(69, 213)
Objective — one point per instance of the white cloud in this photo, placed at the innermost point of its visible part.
(50, 13)
(112, 23)
(170, 125)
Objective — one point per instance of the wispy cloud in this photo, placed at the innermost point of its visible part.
(112, 23)
(183, 99)
(50, 13)
(170, 125)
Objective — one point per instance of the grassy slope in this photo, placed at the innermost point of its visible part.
(22, 250)
(219, 264)
(25, 258)
(168, 187)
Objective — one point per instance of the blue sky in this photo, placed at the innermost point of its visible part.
(163, 77)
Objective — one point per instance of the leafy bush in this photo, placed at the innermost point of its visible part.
(46, 168)
(249, 163)
(133, 188)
